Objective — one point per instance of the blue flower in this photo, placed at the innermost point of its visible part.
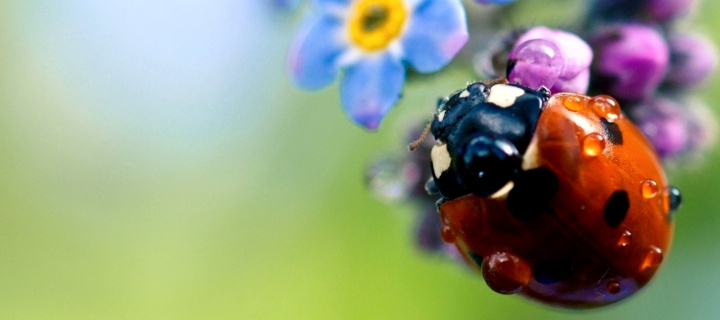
(287, 4)
(370, 40)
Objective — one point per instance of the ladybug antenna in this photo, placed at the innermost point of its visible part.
(415, 144)
(495, 81)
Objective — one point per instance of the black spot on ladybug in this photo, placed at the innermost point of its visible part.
(532, 192)
(612, 131)
(616, 208)
(476, 258)
(552, 271)
(675, 199)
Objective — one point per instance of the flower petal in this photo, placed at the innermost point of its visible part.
(437, 31)
(287, 4)
(331, 4)
(371, 88)
(315, 51)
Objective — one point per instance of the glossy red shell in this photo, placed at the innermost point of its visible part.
(578, 259)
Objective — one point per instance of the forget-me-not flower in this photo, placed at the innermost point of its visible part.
(370, 41)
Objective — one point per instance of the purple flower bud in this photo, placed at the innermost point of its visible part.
(535, 63)
(664, 123)
(664, 10)
(632, 60)
(692, 59)
(703, 127)
(555, 59)
(673, 129)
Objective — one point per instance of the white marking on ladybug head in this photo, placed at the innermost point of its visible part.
(503, 192)
(464, 94)
(440, 159)
(441, 116)
(503, 95)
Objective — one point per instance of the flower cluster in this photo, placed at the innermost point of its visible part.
(651, 68)
(628, 49)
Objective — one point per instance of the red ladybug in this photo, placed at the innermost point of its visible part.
(559, 198)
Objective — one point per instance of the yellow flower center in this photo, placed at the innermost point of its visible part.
(374, 24)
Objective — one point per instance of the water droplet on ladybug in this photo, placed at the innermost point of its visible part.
(649, 189)
(653, 258)
(506, 273)
(625, 239)
(613, 287)
(593, 144)
(447, 234)
(606, 107)
(574, 103)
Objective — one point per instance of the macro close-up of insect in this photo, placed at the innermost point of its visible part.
(359, 159)
(560, 198)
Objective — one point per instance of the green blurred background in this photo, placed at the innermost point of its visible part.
(156, 163)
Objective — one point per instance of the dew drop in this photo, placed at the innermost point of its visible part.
(653, 258)
(606, 107)
(574, 103)
(593, 144)
(649, 189)
(613, 287)
(390, 178)
(625, 239)
(447, 234)
(538, 63)
(506, 273)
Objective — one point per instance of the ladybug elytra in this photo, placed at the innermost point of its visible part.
(557, 197)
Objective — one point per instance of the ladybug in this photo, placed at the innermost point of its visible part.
(559, 198)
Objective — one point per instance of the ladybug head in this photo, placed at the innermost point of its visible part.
(482, 133)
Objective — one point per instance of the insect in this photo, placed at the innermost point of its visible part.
(559, 198)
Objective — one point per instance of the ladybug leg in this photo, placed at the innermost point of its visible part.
(532, 193)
